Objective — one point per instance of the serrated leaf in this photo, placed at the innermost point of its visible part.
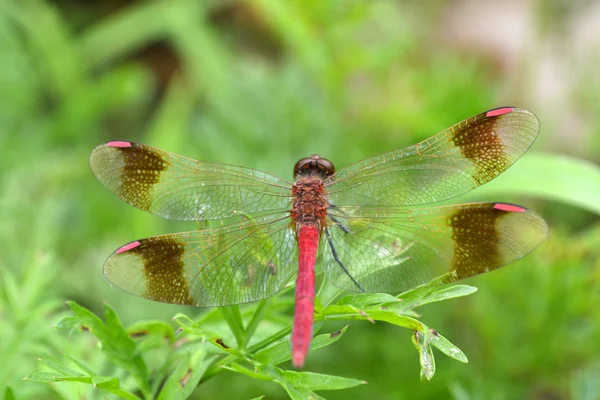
(281, 352)
(444, 345)
(186, 376)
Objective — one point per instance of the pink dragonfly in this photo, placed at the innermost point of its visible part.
(373, 224)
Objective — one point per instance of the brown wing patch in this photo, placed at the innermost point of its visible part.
(141, 170)
(480, 142)
(476, 240)
(163, 269)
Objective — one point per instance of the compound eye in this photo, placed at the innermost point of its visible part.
(326, 167)
(303, 166)
(315, 166)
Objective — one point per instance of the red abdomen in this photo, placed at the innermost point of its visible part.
(308, 242)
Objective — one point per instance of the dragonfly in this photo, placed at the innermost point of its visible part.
(374, 225)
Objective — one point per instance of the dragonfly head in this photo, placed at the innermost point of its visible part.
(314, 166)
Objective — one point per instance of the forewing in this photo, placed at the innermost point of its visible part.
(179, 188)
(216, 267)
(446, 165)
(393, 249)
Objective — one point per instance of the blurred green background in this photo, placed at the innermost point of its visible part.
(263, 83)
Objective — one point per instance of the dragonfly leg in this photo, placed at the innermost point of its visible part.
(340, 225)
(337, 259)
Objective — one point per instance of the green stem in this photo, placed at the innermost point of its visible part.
(233, 317)
(215, 369)
(256, 318)
(123, 394)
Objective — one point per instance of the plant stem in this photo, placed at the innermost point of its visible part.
(256, 318)
(233, 317)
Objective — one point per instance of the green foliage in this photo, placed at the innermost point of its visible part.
(551, 177)
(261, 84)
(193, 352)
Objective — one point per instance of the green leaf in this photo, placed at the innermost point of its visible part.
(367, 299)
(321, 381)
(553, 177)
(233, 317)
(109, 383)
(187, 325)
(191, 327)
(47, 377)
(426, 358)
(150, 335)
(444, 345)
(79, 365)
(281, 352)
(388, 315)
(258, 315)
(9, 395)
(254, 374)
(105, 382)
(298, 385)
(116, 343)
(68, 324)
(160, 329)
(60, 368)
(186, 376)
(118, 338)
(430, 294)
(112, 336)
(445, 293)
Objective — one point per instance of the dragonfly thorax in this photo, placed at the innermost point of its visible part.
(310, 202)
(313, 167)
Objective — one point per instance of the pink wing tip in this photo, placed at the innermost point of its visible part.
(499, 111)
(509, 207)
(127, 247)
(118, 143)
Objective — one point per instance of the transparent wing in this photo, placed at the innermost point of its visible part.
(393, 249)
(446, 165)
(235, 264)
(175, 187)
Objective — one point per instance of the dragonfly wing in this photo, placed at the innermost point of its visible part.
(446, 165)
(176, 187)
(235, 264)
(393, 249)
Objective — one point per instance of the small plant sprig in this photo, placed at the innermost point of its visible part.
(195, 351)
